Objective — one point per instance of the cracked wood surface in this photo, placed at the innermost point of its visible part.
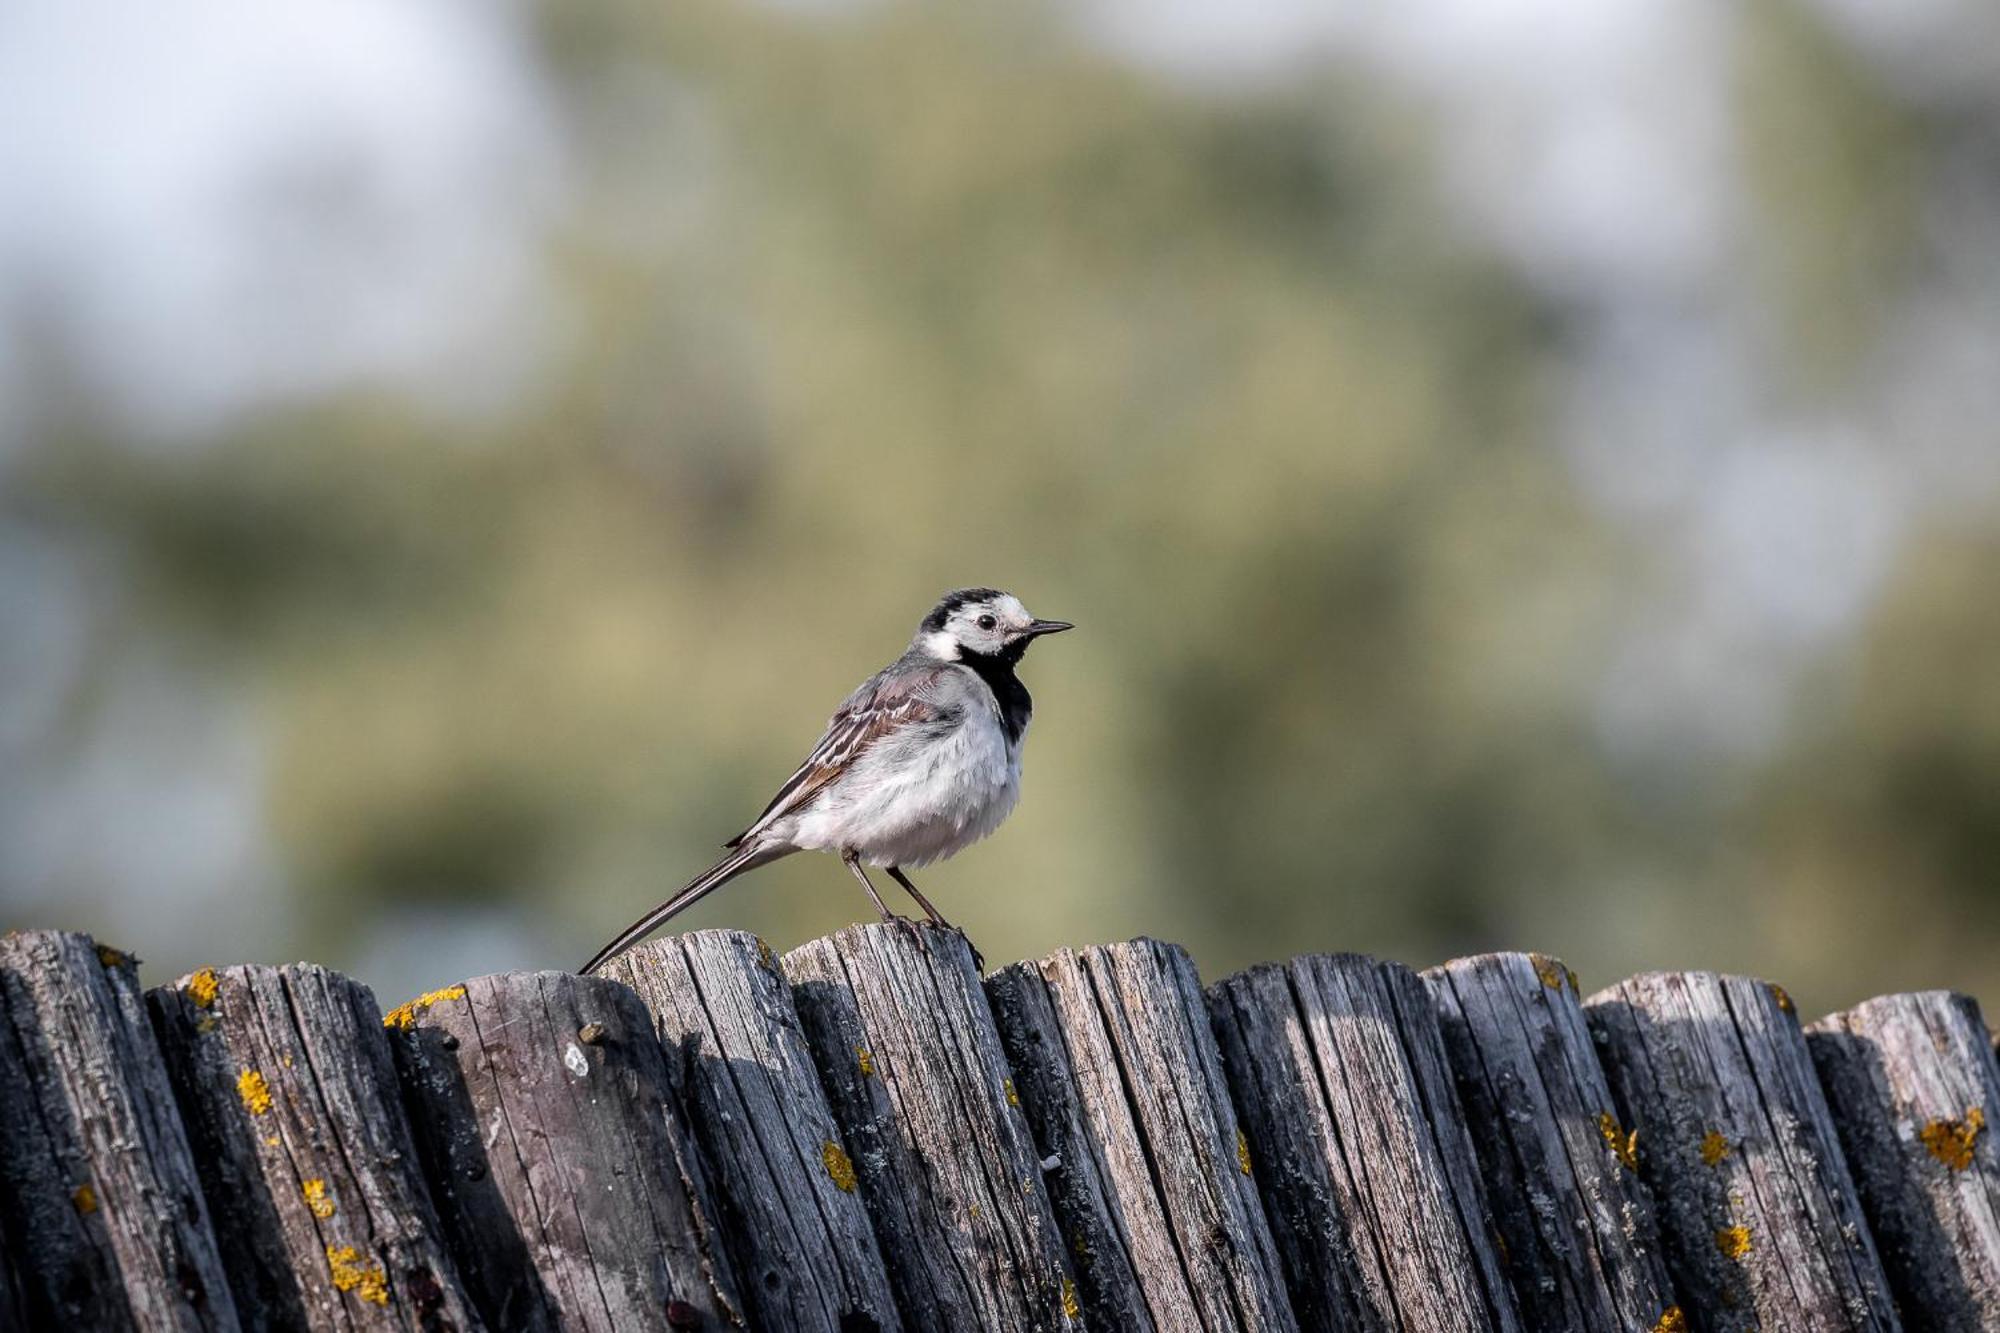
(97, 1187)
(942, 1156)
(1914, 1091)
(1116, 1066)
(1580, 1244)
(1358, 1146)
(1756, 1206)
(288, 1093)
(561, 1167)
(800, 1242)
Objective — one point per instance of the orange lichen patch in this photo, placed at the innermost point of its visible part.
(1007, 1086)
(1624, 1144)
(1714, 1147)
(1782, 996)
(1671, 1321)
(318, 1198)
(201, 988)
(839, 1167)
(111, 957)
(255, 1092)
(1551, 970)
(1951, 1141)
(404, 1016)
(865, 1060)
(1071, 1308)
(353, 1273)
(84, 1198)
(1733, 1242)
(1242, 1153)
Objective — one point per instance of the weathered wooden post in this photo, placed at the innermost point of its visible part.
(795, 1228)
(96, 1182)
(1359, 1149)
(561, 1168)
(1116, 1065)
(1580, 1241)
(913, 1069)
(1733, 1135)
(290, 1101)
(1914, 1089)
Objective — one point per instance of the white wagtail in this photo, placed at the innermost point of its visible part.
(920, 762)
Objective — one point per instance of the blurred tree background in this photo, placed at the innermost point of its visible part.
(1527, 481)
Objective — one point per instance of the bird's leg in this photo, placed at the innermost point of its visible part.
(853, 860)
(937, 917)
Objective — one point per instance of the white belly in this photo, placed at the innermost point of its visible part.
(915, 804)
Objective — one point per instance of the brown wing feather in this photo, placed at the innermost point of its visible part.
(870, 713)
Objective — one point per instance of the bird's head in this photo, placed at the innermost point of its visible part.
(981, 622)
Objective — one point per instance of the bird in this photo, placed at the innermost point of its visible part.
(921, 761)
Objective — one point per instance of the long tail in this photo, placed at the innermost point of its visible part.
(747, 857)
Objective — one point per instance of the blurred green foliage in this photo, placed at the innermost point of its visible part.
(853, 311)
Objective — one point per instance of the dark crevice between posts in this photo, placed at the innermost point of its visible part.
(1117, 1069)
(789, 1214)
(945, 1162)
(1339, 1073)
(1580, 1242)
(98, 1188)
(1759, 1215)
(1914, 1090)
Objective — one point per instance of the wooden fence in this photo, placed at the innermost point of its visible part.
(868, 1135)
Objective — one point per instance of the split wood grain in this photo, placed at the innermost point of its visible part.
(1580, 1242)
(1115, 1063)
(794, 1227)
(99, 1190)
(1914, 1091)
(1358, 1146)
(563, 1172)
(1757, 1210)
(913, 1069)
(289, 1096)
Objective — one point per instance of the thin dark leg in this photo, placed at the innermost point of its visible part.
(937, 917)
(853, 860)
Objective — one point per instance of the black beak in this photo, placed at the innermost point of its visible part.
(1037, 628)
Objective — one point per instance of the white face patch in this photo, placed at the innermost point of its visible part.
(942, 644)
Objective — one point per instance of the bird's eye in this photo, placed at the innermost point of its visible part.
(987, 622)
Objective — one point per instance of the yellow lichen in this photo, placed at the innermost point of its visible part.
(1714, 1147)
(1782, 996)
(111, 957)
(317, 1197)
(765, 956)
(839, 1167)
(1951, 1141)
(404, 1016)
(865, 1060)
(1242, 1153)
(353, 1273)
(84, 1197)
(201, 987)
(1671, 1321)
(205, 1025)
(1070, 1306)
(254, 1091)
(1550, 970)
(1007, 1086)
(1624, 1144)
(1733, 1242)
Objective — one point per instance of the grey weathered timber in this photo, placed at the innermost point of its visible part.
(289, 1096)
(1116, 1066)
(796, 1232)
(913, 1069)
(96, 1183)
(1356, 1141)
(564, 1173)
(1914, 1089)
(1580, 1243)
(1757, 1209)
